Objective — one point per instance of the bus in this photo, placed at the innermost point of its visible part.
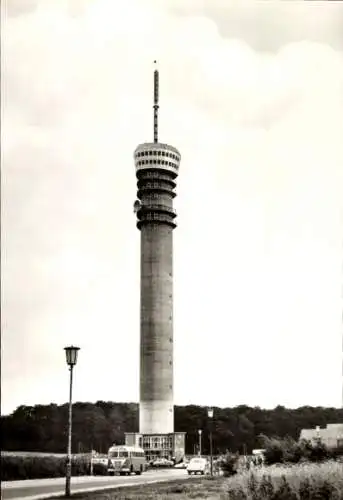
(123, 460)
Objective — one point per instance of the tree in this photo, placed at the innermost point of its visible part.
(97, 426)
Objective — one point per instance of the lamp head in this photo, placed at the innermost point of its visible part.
(71, 355)
(210, 412)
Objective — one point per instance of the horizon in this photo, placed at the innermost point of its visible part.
(251, 96)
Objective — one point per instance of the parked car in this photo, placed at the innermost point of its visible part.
(162, 462)
(182, 465)
(198, 465)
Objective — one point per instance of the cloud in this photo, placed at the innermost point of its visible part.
(258, 247)
(267, 26)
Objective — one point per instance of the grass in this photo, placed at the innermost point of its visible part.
(305, 481)
(297, 482)
(195, 487)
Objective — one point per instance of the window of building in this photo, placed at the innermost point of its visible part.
(163, 153)
(159, 153)
(154, 161)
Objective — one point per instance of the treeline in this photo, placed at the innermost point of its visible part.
(97, 426)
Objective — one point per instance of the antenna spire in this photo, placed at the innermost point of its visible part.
(156, 106)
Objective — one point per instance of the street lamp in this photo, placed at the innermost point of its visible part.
(210, 416)
(71, 358)
(199, 431)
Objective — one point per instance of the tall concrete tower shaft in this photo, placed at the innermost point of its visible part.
(157, 166)
(156, 170)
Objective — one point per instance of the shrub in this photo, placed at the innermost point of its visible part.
(289, 451)
(39, 467)
(229, 464)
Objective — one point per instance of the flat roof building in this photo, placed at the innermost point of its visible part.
(331, 436)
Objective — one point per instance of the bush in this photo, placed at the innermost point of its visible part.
(40, 467)
(229, 464)
(289, 451)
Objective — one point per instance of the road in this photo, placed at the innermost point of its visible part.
(44, 488)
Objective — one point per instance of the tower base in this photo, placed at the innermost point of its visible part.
(170, 446)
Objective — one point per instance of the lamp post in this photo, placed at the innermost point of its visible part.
(199, 431)
(210, 416)
(71, 358)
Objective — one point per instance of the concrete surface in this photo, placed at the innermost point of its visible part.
(34, 489)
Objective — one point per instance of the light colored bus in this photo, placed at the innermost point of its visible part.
(126, 459)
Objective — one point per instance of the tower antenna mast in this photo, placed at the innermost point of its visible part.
(156, 106)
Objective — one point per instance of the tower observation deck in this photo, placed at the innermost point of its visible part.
(157, 166)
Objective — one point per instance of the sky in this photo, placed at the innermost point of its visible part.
(251, 93)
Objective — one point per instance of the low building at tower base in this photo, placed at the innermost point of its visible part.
(170, 446)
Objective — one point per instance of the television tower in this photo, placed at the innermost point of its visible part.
(157, 167)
